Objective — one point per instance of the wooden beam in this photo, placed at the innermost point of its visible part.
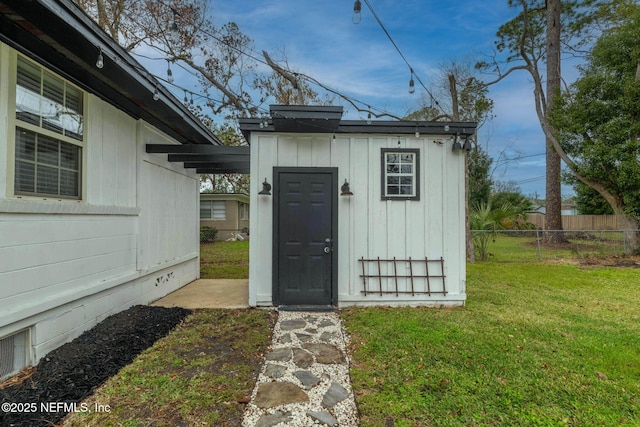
(216, 158)
(209, 165)
(244, 171)
(197, 149)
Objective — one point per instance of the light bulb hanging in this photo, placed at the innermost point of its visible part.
(156, 94)
(100, 60)
(357, 15)
(174, 25)
(169, 72)
(412, 85)
(185, 96)
(369, 118)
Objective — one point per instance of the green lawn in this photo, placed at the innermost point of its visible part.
(195, 376)
(224, 260)
(538, 344)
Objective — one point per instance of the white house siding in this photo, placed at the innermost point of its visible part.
(66, 265)
(369, 227)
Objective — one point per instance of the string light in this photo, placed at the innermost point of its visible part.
(174, 26)
(169, 72)
(156, 94)
(412, 85)
(369, 118)
(100, 60)
(185, 96)
(411, 82)
(357, 15)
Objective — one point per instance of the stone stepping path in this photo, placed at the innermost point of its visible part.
(305, 377)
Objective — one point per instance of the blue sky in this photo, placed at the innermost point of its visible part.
(320, 40)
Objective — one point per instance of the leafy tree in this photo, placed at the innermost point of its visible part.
(532, 42)
(517, 200)
(479, 179)
(589, 202)
(599, 120)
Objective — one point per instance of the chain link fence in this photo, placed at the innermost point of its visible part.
(524, 245)
(208, 234)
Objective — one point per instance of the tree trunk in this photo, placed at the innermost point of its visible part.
(631, 227)
(553, 215)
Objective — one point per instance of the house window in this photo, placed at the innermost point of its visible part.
(213, 209)
(400, 174)
(49, 134)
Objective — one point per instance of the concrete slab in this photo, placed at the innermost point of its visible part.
(209, 293)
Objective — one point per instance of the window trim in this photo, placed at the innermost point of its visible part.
(383, 173)
(14, 123)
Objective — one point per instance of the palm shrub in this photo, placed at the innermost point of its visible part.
(486, 220)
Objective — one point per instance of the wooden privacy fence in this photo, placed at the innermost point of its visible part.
(580, 222)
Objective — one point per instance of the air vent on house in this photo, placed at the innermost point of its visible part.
(13, 354)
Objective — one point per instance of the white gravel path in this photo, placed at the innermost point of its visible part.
(297, 414)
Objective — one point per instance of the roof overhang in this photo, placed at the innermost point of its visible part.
(310, 119)
(62, 37)
(238, 197)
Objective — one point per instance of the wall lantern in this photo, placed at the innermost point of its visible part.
(345, 191)
(467, 144)
(456, 144)
(266, 188)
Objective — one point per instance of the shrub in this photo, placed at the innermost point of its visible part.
(208, 234)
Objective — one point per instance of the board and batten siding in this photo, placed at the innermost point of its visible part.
(65, 265)
(369, 227)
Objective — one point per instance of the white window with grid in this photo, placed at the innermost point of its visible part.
(400, 177)
(49, 133)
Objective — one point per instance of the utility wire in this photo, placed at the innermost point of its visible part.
(377, 18)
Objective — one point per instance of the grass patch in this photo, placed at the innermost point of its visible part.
(224, 260)
(194, 376)
(508, 246)
(538, 344)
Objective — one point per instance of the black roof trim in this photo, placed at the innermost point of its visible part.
(247, 126)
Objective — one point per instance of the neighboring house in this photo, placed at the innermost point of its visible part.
(227, 213)
(91, 220)
(355, 212)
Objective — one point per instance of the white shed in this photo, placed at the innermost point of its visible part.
(355, 212)
(92, 221)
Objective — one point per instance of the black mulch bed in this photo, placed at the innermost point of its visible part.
(72, 372)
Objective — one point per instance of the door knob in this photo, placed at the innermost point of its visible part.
(327, 249)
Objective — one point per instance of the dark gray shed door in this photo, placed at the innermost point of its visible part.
(303, 237)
